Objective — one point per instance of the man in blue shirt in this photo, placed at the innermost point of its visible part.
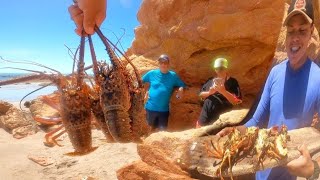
(291, 95)
(161, 81)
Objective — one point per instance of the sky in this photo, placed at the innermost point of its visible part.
(38, 30)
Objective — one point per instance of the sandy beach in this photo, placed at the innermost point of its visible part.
(100, 164)
(15, 153)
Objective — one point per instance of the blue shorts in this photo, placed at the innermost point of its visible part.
(157, 119)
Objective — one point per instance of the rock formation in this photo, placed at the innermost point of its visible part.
(15, 121)
(193, 33)
(161, 152)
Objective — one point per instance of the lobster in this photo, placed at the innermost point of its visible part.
(75, 104)
(236, 147)
(121, 101)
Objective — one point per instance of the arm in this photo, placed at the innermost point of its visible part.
(227, 130)
(206, 91)
(179, 83)
(205, 94)
(303, 166)
(262, 111)
(146, 81)
(146, 77)
(231, 97)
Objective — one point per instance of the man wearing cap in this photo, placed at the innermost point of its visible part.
(161, 81)
(218, 93)
(291, 95)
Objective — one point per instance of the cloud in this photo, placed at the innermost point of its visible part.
(126, 3)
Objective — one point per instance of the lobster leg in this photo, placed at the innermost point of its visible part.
(52, 101)
(48, 120)
(56, 136)
(49, 141)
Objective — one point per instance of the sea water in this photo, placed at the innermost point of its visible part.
(15, 92)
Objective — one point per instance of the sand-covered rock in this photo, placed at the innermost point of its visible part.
(165, 151)
(45, 106)
(16, 121)
(140, 170)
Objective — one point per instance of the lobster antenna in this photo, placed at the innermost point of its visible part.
(29, 62)
(129, 61)
(33, 92)
(124, 33)
(118, 39)
(94, 59)
(98, 31)
(23, 69)
(73, 56)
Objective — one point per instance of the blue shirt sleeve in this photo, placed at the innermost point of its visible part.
(263, 109)
(318, 104)
(146, 77)
(179, 82)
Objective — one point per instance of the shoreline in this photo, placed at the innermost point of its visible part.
(15, 92)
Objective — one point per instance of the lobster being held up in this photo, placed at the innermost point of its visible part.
(121, 101)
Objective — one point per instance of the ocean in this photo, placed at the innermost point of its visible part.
(15, 92)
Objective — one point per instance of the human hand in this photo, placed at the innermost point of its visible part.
(179, 94)
(88, 13)
(220, 88)
(303, 165)
(224, 131)
(146, 97)
(212, 89)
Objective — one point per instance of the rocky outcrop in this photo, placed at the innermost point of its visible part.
(16, 121)
(162, 153)
(193, 33)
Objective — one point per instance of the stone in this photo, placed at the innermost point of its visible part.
(40, 107)
(16, 121)
(140, 170)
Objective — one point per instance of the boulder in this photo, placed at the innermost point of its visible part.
(41, 107)
(16, 121)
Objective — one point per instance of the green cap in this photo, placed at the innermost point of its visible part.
(220, 62)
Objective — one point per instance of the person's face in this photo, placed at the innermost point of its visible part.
(164, 66)
(221, 71)
(299, 32)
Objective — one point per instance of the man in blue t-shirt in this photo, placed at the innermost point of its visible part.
(291, 95)
(161, 81)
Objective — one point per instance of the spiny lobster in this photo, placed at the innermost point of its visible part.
(75, 106)
(121, 101)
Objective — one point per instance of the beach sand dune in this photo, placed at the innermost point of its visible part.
(100, 164)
